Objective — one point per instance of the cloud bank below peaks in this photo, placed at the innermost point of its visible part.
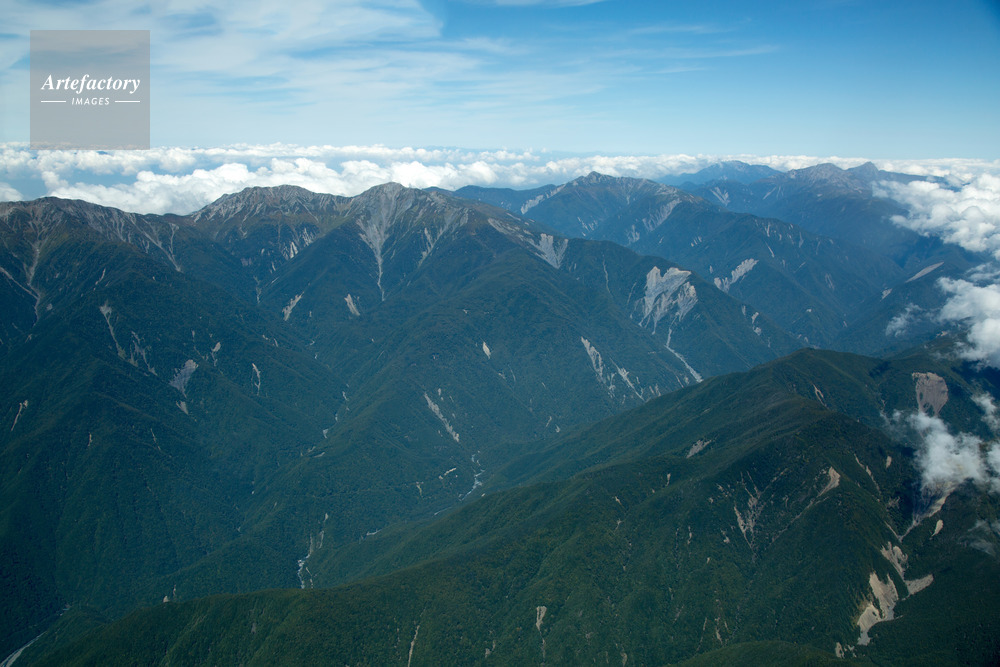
(182, 180)
(967, 215)
(977, 306)
(946, 460)
(179, 180)
(962, 209)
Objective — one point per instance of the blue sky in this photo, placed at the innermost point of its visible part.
(887, 79)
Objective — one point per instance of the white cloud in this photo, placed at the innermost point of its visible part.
(993, 462)
(523, 3)
(954, 170)
(964, 210)
(977, 306)
(967, 215)
(946, 460)
(900, 323)
(181, 180)
(9, 193)
(232, 69)
(989, 408)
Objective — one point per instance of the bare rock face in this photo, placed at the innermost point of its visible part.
(932, 392)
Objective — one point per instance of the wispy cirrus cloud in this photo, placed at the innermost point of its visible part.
(543, 3)
(376, 70)
(671, 28)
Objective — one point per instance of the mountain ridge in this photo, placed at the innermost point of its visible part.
(319, 383)
(607, 549)
(510, 443)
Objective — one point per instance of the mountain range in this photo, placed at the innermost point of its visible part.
(553, 425)
(827, 264)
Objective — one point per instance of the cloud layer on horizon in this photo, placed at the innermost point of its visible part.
(181, 180)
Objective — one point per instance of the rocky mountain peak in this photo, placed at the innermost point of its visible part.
(256, 201)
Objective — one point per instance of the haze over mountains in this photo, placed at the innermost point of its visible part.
(399, 395)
